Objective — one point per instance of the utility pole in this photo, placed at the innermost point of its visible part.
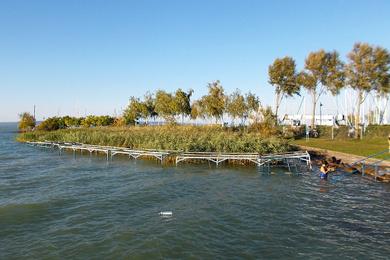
(34, 113)
(320, 113)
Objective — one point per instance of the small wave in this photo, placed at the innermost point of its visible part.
(22, 213)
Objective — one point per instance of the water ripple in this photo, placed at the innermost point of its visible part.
(55, 206)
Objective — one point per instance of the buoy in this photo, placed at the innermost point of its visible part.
(166, 213)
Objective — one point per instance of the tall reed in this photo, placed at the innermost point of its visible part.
(181, 138)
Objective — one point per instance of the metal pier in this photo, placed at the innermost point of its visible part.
(109, 151)
(293, 161)
(217, 158)
(371, 166)
(290, 160)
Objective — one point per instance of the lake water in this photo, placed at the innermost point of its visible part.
(55, 206)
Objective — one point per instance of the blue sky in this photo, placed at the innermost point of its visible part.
(77, 57)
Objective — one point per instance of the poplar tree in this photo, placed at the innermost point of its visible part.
(150, 103)
(323, 72)
(135, 110)
(165, 105)
(252, 102)
(197, 110)
(367, 70)
(283, 76)
(182, 103)
(236, 106)
(214, 103)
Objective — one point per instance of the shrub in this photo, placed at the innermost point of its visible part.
(27, 121)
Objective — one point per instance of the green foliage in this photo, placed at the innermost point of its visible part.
(368, 70)
(182, 102)
(51, 124)
(236, 105)
(197, 110)
(283, 76)
(214, 103)
(135, 110)
(323, 72)
(72, 121)
(184, 138)
(26, 122)
(267, 126)
(377, 131)
(55, 123)
(166, 106)
(93, 121)
(150, 103)
(252, 102)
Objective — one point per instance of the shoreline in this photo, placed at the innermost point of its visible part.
(347, 162)
(345, 157)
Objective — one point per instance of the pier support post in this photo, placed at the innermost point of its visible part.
(376, 171)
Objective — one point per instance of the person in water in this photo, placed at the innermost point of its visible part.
(324, 171)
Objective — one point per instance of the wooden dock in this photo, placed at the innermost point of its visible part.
(293, 161)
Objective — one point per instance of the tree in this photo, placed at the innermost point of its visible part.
(182, 103)
(236, 106)
(27, 121)
(367, 70)
(252, 102)
(268, 117)
(197, 110)
(150, 103)
(71, 121)
(214, 102)
(52, 123)
(323, 72)
(135, 110)
(103, 120)
(283, 76)
(165, 106)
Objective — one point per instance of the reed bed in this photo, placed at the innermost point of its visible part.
(178, 138)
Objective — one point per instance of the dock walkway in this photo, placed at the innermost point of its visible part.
(291, 160)
(109, 151)
(294, 159)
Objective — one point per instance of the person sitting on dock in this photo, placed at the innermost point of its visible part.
(324, 171)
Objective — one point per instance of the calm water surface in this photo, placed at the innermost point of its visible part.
(63, 207)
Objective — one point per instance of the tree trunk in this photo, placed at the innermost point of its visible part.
(382, 112)
(277, 104)
(313, 113)
(357, 115)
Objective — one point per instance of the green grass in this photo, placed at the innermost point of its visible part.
(364, 147)
(182, 138)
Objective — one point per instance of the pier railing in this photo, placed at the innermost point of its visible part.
(290, 160)
(366, 163)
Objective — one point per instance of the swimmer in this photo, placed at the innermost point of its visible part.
(324, 171)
